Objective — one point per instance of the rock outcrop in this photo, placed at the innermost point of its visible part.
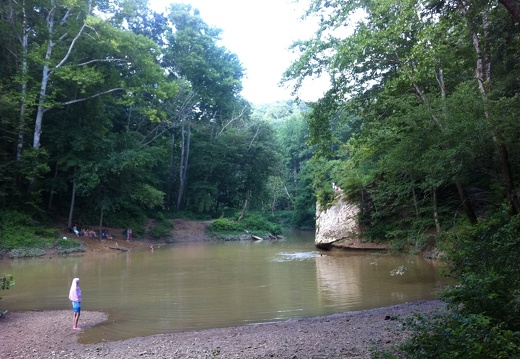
(337, 227)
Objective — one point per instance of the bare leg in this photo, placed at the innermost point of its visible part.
(75, 320)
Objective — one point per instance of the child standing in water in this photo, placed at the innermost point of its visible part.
(75, 297)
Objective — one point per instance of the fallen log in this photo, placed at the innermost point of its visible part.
(120, 249)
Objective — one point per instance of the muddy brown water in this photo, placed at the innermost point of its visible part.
(194, 286)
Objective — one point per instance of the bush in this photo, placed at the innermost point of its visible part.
(225, 225)
(161, 230)
(47, 232)
(452, 335)
(484, 321)
(486, 263)
(253, 223)
(6, 282)
(65, 246)
(26, 252)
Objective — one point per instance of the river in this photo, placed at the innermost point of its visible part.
(193, 286)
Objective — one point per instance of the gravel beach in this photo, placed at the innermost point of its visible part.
(49, 334)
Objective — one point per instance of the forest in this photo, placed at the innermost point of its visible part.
(111, 113)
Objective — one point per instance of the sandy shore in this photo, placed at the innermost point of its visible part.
(49, 334)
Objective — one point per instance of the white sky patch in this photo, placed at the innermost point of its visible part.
(260, 33)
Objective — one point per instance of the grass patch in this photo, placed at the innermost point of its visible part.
(21, 238)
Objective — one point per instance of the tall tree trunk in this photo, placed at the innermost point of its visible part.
(181, 168)
(483, 74)
(465, 200)
(244, 207)
(435, 211)
(21, 126)
(513, 7)
(468, 208)
(51, 194)
(72, 203)
(415, 203)
(461, 190)
(45, 80)
(275, 197)
(46, 71)
(101, 220)
(171, 172)
(185, 154)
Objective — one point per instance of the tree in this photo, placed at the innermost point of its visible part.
(398, 60)
(213, 73)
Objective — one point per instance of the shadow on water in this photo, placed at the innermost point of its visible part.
(209, 285)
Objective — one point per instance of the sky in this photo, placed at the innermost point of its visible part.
(260, 33)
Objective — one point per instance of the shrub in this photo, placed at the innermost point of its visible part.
(6, 282)
(65, 246)
(47, 232)
(484, 321)
(485, 261)
(26, 252)
(226, 225)
(18, 231)
(161, 230)
(452, 335)
(253, 223)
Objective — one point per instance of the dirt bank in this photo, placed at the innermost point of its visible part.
(350, 335)
(183, 231)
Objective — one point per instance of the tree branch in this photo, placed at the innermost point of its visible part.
(513, 7)
(91, 97)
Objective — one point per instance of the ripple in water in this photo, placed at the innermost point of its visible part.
(295, 256)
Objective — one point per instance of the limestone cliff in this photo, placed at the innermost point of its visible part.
(337, 226)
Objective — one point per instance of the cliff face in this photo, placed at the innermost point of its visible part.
(337, 226)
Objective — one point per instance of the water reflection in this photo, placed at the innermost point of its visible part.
(206, 285)
(360, 280)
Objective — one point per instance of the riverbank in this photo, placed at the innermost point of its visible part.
(49, 334)
(183, 231)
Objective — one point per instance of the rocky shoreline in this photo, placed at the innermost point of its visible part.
(49, 334)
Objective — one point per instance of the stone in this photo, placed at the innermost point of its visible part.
(337, 226)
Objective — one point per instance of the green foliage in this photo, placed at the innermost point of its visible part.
(26, 252)
(253, 223)
(70, 245)
(21, 237)
(257, 223)
(17, 231)
(129, 217)
(115, 118)
(6, 282)
(483, 320)
(225, 225)
(452, 335)
(485, 262)
(187, 215)
(284, 218)
(162, 227)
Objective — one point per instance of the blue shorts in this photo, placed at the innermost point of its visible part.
(76, 307)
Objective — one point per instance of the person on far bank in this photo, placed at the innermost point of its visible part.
(75, 297)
